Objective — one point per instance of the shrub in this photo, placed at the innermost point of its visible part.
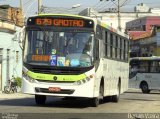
(18, 80)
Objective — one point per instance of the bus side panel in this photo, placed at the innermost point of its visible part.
(116, 71)
(112, 71)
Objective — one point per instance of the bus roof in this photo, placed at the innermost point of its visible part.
(70, 15)
(146, 58)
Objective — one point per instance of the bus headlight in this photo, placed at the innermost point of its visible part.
(83, 81)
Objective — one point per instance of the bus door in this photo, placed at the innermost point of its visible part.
(133, 75)
(134, 78)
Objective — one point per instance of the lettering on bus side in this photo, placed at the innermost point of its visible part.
(148, 76)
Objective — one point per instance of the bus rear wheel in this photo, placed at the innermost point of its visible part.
(144, 88)
(115, 98)
(40, 99)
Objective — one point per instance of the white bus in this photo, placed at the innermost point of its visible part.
(145, 73)
(74, 56)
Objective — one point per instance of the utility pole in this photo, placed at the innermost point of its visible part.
(39, 6)
(119, 16)
(21, 4)
(118, 5)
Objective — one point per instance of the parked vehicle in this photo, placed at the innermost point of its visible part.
(145, 73)
(11, 87)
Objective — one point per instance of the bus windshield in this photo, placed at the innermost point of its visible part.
(62, 48)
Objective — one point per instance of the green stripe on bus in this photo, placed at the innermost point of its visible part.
(49, 77)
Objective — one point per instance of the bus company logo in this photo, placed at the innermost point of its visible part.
(55, 78)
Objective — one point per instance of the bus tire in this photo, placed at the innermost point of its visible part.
(144, 87)
(40, 99)
(96, 100)
(115, 98)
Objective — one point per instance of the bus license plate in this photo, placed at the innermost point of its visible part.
(54, 89)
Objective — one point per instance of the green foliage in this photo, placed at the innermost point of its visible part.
(18, 80)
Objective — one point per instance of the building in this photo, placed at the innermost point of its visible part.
(11, 14)
(10, 50)
(110, 17)
(144, 35)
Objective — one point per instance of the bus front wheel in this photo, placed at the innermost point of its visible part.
(144, 87)
(40, 99)
(96, 100)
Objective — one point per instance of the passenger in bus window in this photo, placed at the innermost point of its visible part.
(70, 46)
(134, 69)
(81, 45)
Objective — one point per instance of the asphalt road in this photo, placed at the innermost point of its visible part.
(131, 102)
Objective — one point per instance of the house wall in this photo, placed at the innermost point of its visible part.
(10, 48)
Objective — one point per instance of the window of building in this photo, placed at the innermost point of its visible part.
(17, 56)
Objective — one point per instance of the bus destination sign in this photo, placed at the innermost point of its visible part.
(60, 22)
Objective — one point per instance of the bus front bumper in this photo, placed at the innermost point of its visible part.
(59, 89)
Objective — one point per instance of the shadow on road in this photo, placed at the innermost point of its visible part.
(50, 102)
(17, 102)
(137, 99)
(151, 93)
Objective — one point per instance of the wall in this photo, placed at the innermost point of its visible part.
(9, 40)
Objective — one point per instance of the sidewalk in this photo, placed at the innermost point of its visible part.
(14, 95)
(133, 90)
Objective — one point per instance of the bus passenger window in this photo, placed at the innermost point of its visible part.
(144, 67)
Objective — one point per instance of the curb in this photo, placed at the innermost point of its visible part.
(14, 95)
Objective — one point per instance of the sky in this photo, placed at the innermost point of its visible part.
(30, 6)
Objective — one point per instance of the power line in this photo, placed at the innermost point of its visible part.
(27, 2)
(118, 4)
(99, 6)
(104, 6)
(96, 4)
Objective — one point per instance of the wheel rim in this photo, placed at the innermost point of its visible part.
(96, 102)
(144, 87)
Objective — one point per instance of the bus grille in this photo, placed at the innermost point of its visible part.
(52, 81)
